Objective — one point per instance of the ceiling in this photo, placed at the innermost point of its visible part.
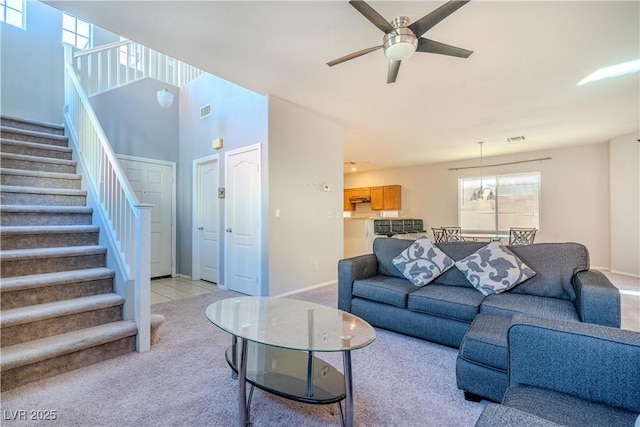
(520, 80)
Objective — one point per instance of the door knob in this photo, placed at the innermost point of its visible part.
(228, 230)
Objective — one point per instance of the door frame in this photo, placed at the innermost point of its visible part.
(195, 209)
(227, 154)
(173, 200)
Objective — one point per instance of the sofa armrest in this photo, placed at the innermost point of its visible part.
(494, 415)
(597, 300)
(593, 362)
(351, 269)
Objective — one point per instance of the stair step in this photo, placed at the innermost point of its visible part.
(33, 136)
(18, 215)
(25, 178)
(34, 360)
(35, 149)
(15, 195)
(22, 262)
(26, 124)
(34, 289)
(35, 163)
(48, 236)
(23, 324)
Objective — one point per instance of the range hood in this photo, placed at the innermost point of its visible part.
(360, 199)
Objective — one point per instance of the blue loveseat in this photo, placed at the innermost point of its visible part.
(568, 374)
(450, 311)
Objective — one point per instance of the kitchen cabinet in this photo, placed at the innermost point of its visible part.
(387, 198)
(364, 192)
(347, 205)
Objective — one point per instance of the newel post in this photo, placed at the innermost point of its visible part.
(142, 278)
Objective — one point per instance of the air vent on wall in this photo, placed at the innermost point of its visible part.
(516, 139)
(205, 111)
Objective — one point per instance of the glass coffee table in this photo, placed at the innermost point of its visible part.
(274, 346)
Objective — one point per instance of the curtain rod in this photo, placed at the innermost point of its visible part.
(501, 164)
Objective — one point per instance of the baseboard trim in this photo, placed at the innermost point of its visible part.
(184, 276)
(308, 288)
(624, 273)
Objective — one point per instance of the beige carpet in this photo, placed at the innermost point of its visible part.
(185, 381)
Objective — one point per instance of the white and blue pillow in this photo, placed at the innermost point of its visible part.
(422, 262)
(493, 269)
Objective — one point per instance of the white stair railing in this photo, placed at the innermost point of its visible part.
(117, 64)
(125, 221)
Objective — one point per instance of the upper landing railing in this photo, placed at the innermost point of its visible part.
(117, 64)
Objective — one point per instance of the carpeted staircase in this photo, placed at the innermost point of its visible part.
(58, 309)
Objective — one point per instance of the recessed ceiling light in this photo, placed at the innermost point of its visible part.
(612, 71)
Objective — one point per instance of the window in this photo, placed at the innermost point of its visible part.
(13, 12)
(130, 55)
(76, 32)
(516, 202)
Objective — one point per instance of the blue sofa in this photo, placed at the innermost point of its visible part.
(568, 374)
(450, 311)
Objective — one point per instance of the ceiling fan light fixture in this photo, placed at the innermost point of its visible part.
(400, 44)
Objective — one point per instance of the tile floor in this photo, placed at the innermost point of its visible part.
(173, 288)
(629, 299)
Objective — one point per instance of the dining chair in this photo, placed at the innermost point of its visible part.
(438, 235)
(452, 234)
(521, 236)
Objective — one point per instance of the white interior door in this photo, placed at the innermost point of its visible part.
(153, 183)
(242, 243)
(209, 221)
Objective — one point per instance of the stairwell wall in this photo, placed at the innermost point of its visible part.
(32, 78)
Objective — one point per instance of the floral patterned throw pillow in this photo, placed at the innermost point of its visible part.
(493, 269)
(422, 262)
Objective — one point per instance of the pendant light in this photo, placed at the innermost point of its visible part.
(165, 98)
(479, 193)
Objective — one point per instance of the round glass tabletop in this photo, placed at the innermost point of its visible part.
(292, 324)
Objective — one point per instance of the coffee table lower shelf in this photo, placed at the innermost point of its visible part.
(292, 374)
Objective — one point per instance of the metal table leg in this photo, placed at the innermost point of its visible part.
(348, 389)
(242, 384)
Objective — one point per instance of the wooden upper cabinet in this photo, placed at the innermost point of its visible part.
(377, 198)
(360, 192)
(347, 205)
(388, 198)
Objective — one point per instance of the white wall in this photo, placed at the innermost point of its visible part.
(239, 117)
(574, 193)
(32, 66)
(624, 192)
(136, 124)
(305, 240)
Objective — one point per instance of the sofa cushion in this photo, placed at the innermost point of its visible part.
(386, 249)
(485, 342)
(456, 251)
(446, 301)
(508, 303)
(565, 409)
(389, 290)
(422, 262)
(493, 269)
(555, 265)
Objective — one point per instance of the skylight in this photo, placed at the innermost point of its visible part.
(612, 71)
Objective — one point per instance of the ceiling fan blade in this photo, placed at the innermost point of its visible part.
(429, 21)
(432, 46)
(392, 74)
(352, 55)
(370, 13)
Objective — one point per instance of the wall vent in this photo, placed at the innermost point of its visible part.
(205, 111)
(516, 139)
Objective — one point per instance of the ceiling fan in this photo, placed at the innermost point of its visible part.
(403, 38)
